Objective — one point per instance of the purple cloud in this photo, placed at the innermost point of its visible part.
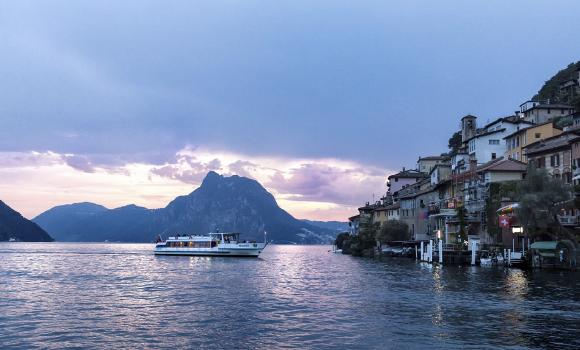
(243, 168)
(325, 183)
(187, 169)
(79, 162)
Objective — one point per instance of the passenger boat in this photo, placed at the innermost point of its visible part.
(212, 244)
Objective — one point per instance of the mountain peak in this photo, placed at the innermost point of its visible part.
(232, 203)
(14, 225)
(211, 178)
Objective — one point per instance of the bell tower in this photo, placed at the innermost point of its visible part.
(468, 127)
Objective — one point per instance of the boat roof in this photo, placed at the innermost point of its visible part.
(549, 245)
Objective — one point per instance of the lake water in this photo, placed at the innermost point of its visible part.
(59, 295)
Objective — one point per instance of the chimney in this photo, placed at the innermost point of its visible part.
(472, 164)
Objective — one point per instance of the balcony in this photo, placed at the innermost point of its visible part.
(569, 220)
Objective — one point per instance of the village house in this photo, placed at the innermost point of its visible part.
(558, 155)
(439, 173)
(393, 211)
(488, 143)
(575, 155)
(516, 141)
(408, 205)
(445, 194)
(403, 178)
(554, 154)
(539, 112)
(354, 224)
(471, 190)
(426, 164)
(380, 216)
(425, 228)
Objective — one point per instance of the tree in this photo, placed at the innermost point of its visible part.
(341, 239)
(541, 198)
(364, 242)
(454, 143)
(394, 230)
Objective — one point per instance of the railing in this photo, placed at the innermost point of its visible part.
(452, 247)
(568, 219)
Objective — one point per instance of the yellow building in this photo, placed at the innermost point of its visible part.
(380, 215)
(516, 141)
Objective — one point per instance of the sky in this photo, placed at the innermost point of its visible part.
(120, 102)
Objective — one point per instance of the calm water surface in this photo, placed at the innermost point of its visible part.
(58, 295)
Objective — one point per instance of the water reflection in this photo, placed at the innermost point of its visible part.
(120, 295)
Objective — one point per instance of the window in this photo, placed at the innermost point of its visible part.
(493, 156)
(494, 142)
(396, 179)
(517, 141)
(541, 162)
(548, 110)
(563, 111)
(555, 160)
(538, 135)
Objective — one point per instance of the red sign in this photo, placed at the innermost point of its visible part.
(504, 221)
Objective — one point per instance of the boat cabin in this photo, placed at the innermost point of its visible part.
(225, 237)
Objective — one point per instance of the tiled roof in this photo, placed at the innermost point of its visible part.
(433, 158)
(393, 206)
(530, 128)
(551, 143)
(503, 164)
(484, 134)
(512, 119)
(411, 173)
(551, 106)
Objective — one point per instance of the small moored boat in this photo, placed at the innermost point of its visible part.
(213, 244)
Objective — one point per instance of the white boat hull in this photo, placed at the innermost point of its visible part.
(252, 251)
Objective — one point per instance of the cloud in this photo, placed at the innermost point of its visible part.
(242, 168)
(28, 159)
(187, 169)
(327, 183)
(303, 180)
(307, 188)
(81, 163)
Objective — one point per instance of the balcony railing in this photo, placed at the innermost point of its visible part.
(569, 220)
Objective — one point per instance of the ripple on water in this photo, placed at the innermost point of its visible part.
(61, 295)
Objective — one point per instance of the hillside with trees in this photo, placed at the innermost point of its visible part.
(551, 88)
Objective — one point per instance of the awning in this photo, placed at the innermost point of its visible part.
(544, 245)
(508, 208)
(577, 177)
